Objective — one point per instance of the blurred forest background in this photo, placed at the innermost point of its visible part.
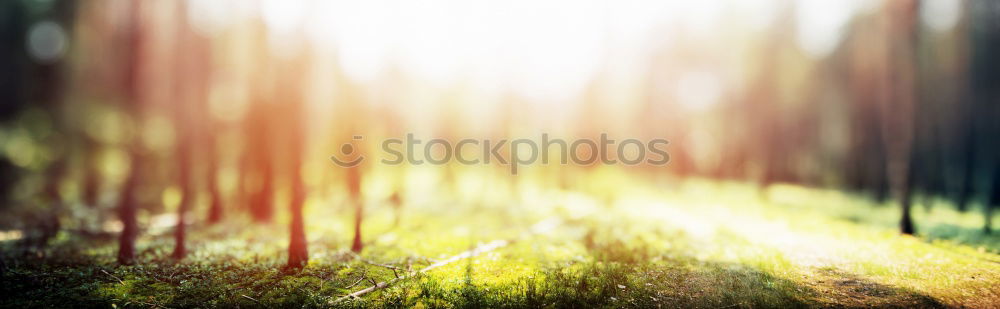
(119, 117)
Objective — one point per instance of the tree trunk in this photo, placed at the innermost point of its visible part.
(993, 200)
(126, 213)
(298, 254)
(261, 123)
(180, 233)
(968, 168)
(92, 177)
(262, 208)
(906, 203)
(187, 82)
(187, 197)
(128, 202)
(354, 185)
(897, 101)
(215, 210)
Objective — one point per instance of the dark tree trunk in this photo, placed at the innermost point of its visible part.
(126, 213)
(50, 225)
(91, 181)
(897, 102)
(966, 188)
(906, 202)
(993, 200)
(187, 197)
(186, 96)
(180, 233)
(128, 202)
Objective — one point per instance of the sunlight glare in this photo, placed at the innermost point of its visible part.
(699, 90)
(820, 25)
(940, 15)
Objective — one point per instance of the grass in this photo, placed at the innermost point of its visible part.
(621, 244)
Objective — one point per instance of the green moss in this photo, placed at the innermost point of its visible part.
(704, 245)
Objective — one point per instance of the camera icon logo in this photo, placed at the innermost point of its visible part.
(347, 150)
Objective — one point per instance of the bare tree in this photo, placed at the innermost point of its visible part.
(215, 209)
(897, 102)
(298, 253)
(128, 202)
(354, 188)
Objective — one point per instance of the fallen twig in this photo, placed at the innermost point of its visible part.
(250, 298)
(113, 276)
(363, 276)
(379, 264)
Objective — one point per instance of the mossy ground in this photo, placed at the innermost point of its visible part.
(693, 244)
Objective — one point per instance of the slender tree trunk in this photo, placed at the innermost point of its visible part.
(265, 197)
(187, 197)
(354, 185)
(50, 225)
(298, 253)
(184, 118)
(215, 210)
(128, 202)
(91, 181)
(180, 232)
(292, 123)
(906, 202)
(965, 190)
(261, 123)
(127, 210)
(897, 101)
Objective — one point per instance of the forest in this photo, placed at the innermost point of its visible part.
(511, 154)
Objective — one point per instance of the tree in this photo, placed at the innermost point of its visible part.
(128, 201)
(191, 65)
(259, 152)
(187, 195)
(298, 253)
(354, 188)
(984, 71)
(994, 200)
(968, 183)
(215, 210)
(897, 103)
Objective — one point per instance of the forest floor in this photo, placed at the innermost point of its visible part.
(695, 244)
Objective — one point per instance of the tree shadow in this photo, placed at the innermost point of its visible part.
(837, 288)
